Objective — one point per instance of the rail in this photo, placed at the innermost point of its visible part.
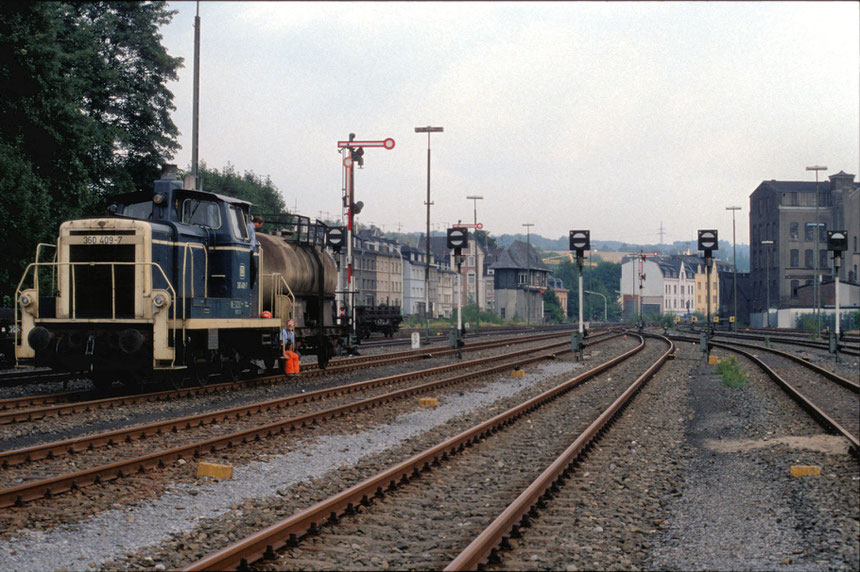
(262, 544)
(518, 511)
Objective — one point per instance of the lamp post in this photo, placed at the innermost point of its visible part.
(428, 130)
(605, 304)
(767, 278)
(528, 226)
(817, 288)
(478, 267)
(734, 268)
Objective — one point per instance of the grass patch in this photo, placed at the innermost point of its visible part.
(733, 375)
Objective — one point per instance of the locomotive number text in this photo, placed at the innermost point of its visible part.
(102, 239)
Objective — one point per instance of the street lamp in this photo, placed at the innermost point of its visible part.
(428, 130)
(528, 226)
(767, 278)
(734, 268)
(478, 267)
(816, 289)
(605, 304)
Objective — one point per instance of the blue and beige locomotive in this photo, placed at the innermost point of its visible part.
(175, 284)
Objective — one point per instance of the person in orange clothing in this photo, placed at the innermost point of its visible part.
(288, 346)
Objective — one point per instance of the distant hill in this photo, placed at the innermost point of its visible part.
(561, 243)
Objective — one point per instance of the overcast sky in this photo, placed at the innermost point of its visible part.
(612, 117)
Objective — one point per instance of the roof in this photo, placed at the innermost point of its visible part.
(438, 247)
(519, 255)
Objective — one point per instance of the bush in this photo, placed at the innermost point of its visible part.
(733, 375)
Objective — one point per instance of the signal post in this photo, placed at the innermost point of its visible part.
(837, 241)
(708, 243)
(458, 237)
(354, 153)
(580, 241)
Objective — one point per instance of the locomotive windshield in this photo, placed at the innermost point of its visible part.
(201, 213)
(238, 222)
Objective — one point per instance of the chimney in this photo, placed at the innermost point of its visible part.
(169, 172)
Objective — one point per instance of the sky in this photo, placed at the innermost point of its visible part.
(608, 116)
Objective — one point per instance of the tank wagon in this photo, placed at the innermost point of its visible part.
(175, 284)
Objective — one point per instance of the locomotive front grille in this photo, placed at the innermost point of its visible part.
(102, 290)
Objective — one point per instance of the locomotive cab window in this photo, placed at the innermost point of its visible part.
(201, 213)
(238, 223)
(141, 210)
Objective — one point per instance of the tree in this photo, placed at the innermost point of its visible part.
(483, 237)
(84, 113)
(250, 187)
(604, 278)
(553, 305)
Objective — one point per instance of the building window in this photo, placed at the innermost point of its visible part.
(810, 229)
(822, 232)
(794, 231)
(807, 258)
(822, 258)
(795, 284)
(795, 258)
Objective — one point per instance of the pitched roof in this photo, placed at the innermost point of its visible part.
(519, 255)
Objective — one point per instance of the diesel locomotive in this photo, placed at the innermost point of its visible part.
(176, 284)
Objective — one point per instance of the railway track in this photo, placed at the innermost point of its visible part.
(220, 430)
(847, 347)
(423, 522)
(32, 408)
(832, 399)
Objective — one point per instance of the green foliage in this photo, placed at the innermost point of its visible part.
(484, 238)
(808, 323)
(733, 375)
(603, 278)
(855, 319)
(553, 305)
(667, 321)
(84, 114)
(250, 187)
(471, 315)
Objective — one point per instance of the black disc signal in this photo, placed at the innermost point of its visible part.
(708, 240)
(580, 241)
(457, 237)
(334, 238)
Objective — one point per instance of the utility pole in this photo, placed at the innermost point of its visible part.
(734, 269)
(768, 257)
(196, 106)
(478, 267)
(428, 130)
(528, 226)
(817, 287)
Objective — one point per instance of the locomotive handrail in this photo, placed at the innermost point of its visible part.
(277, 281)
(53, 273)
(35, 265)
(185, 250)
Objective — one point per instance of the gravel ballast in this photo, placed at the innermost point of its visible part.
(693, 476)
(126, 529)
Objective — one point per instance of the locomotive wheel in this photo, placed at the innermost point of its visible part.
(199, 368)
(324, 354)
(175, 378)
(231, 369)
(270, 363)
